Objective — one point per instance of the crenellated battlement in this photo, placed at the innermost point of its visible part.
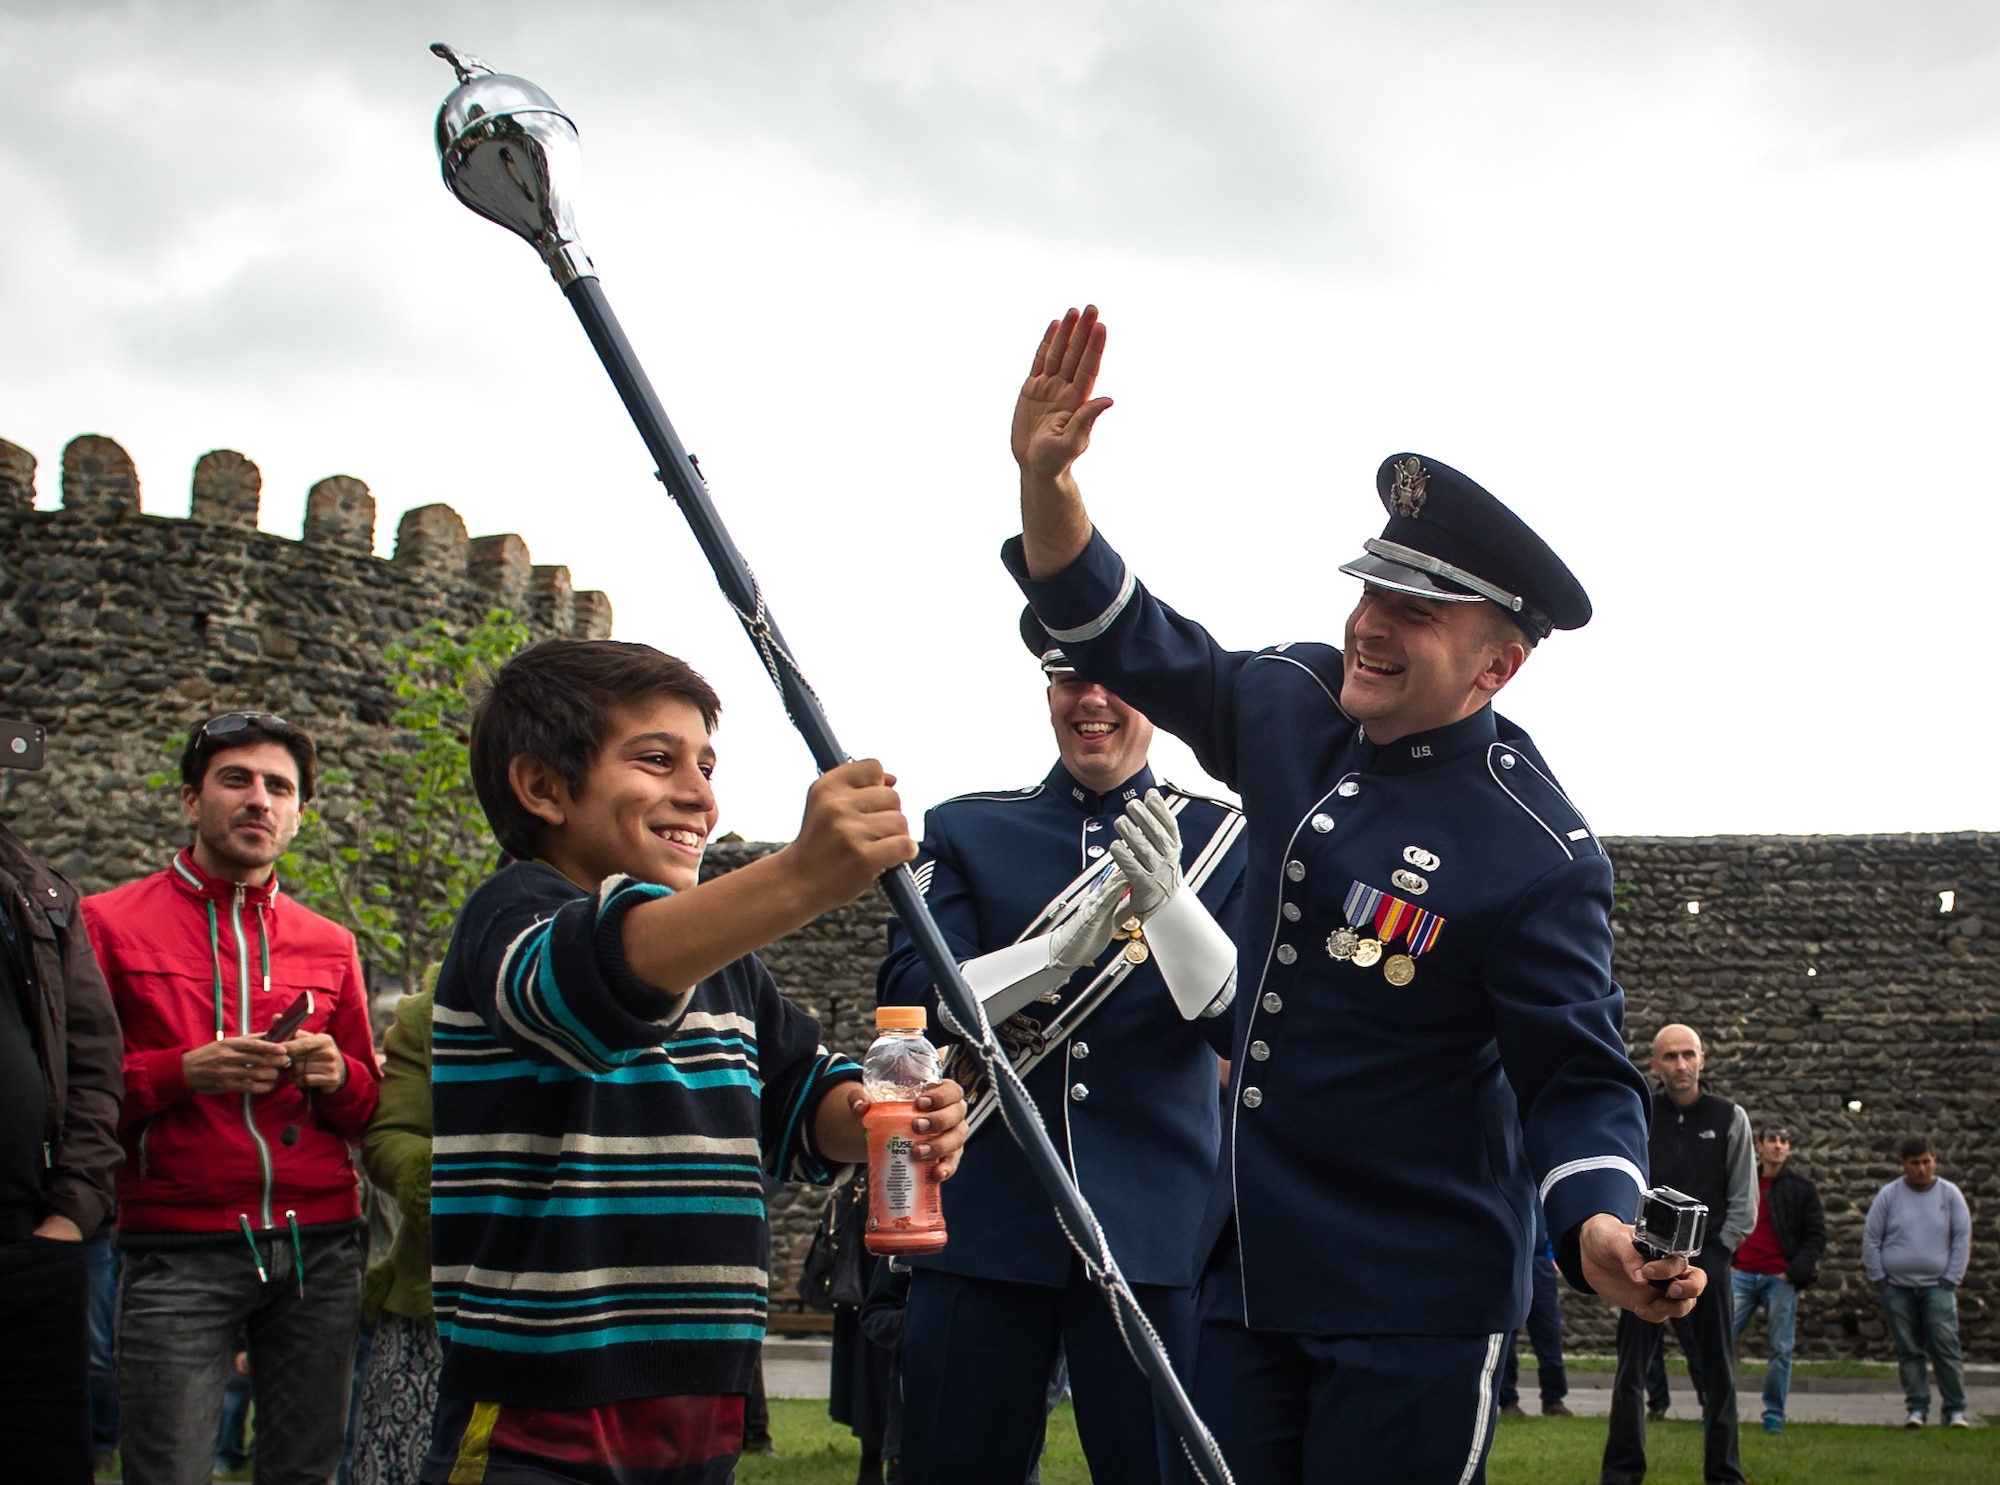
(100, 480)
(119, 629)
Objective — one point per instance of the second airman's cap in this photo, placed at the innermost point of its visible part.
(1042, 645)
(1449, 539)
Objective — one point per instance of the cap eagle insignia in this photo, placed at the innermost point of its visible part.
(1406, 494)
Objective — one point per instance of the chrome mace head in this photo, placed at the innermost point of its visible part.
(512, 156)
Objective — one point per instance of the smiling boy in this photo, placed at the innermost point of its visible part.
(613, 1068)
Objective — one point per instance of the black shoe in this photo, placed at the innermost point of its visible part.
(1556, 1410)
(1656, 1414)
(1513, 1410)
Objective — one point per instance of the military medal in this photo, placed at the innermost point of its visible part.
(1134, 933)
(1373, 911)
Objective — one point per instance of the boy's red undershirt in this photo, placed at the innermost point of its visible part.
(681, 1440)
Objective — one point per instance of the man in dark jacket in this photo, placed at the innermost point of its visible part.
(59, 1090)
(1700, 1144)
(1779, 1258)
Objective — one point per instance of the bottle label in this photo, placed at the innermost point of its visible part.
(899, 1178)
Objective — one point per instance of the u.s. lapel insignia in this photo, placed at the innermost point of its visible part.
(1406, 492)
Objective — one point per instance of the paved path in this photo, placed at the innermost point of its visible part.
(799, 1368)
(1827, 1400)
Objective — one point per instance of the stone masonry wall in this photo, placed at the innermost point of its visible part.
(1834, 990)
(119, 629)
(1835, 994)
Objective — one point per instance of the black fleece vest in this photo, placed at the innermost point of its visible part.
(1689, 1150)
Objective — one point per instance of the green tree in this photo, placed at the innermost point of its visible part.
(393, 853)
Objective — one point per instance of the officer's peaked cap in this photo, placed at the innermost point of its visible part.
(1042, 645)
(1449, 539)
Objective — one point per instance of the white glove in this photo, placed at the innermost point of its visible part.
(1008, 979)
(1086, 933)
(1148, 852)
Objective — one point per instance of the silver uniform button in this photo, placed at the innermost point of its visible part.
(1259, 1051)
(1078, 1092)
(1348, 789)
(1287, 954)
(1291, 912)
(1322, 823)
(1506, 760)
(1273, 1002)
(1252, 1097)
(1295, 870)
(1094, 852)
(1079, 1049)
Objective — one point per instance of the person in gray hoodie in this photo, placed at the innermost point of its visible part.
(1914, 1247)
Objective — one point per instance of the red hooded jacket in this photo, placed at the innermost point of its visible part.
(191, 959)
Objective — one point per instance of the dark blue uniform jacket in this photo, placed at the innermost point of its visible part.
(1130, 1100)
(1384, 1146)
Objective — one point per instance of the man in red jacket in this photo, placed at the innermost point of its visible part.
(236, 1203)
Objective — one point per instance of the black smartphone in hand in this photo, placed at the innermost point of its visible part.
(294, 1016)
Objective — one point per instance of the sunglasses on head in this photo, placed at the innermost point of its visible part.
(230, 722)
(1777, 1134)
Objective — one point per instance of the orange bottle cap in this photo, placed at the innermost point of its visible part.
(901, 1018)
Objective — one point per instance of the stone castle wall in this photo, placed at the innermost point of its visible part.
(119, 629)
(1833, 991)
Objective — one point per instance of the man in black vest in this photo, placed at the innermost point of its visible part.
(1700, 1145)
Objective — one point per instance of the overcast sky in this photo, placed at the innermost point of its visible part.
(1705, 291)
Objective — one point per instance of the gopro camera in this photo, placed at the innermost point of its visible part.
(1670, 1224)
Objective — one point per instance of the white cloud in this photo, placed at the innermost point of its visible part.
(1703, 290)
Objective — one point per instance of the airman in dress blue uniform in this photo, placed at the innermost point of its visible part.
(1129, 1098)
(1427, 1034)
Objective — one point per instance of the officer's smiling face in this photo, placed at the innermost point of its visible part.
(1102, 740)
(1412, 664)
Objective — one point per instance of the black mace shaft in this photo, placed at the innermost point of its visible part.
(684, 482)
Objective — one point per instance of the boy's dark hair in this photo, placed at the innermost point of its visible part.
(553, 701)
(1915, 1145)
(230, 730)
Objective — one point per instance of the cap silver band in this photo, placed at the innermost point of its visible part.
(1424, 562)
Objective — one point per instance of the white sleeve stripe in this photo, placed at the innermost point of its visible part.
(1596, 1162)
(1104, 620)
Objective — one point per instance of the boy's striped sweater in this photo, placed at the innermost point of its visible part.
(597, 1214)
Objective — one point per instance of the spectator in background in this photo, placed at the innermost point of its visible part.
(400, 1392)
(1914, 1248)
(59, 1090)
(1779, 1258)
(1700, 1144)
(1545, 1334)
(236, 1203)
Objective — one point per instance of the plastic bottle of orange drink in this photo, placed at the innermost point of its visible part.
(903, 1211)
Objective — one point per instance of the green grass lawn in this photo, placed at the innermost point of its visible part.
(1528, 1451)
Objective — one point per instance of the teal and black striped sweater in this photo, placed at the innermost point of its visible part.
(597, 1213)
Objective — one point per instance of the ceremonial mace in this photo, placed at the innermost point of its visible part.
(512, 156)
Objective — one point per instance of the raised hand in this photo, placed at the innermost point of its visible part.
(1148, 852)
(1056, 409)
